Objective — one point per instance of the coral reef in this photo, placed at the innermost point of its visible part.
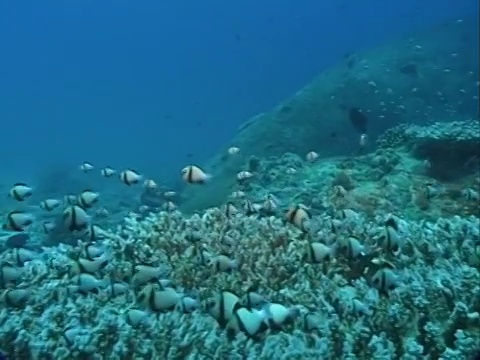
(451, 148)
(329, 272)
(432, 313)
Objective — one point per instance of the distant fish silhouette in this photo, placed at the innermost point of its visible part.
(358, 120)
(17, 241)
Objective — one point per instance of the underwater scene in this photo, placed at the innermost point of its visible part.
(335, 217)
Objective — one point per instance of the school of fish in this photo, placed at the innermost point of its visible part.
(106, 265)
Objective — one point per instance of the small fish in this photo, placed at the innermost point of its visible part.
(359, 308)
(48, 227)
(318, 252)
(233, 150)
(136, 317)
(20, 191)
(250, 322)
(351, 247)
(130, 177)
(471, 195)
(311, 156)
(362, 143)
(50, 204)
(335, 225)
(9, 274)
(86, 167)
(187, 305)
(203, 256)
(270, 204)
(299, 216)
(107, 172)
(278, 315)
(230, 210)
(93, 233)
(87, 199)
(244, 175)
(164, 283)
(92, 251)
(150, 184)
(22, 256)
(88, 282)
(169, 194)
(222, 307)
(117, 289)
(159, 300)
(223, 263)
(194, 175)
(238, 194)
(145, 273)
(18, 221)
(348, 215)
(251, 208)
(70, 334)
(253, 299)
(390, 240)
(169, 206)
(70, 199)
(384, 280)
(311, 321)
(75, 218)
(82, 265)
(16, 297)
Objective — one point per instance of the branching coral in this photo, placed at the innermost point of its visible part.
(432, 308)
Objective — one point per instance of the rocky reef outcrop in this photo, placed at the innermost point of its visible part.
(415, 80)
(452, 149)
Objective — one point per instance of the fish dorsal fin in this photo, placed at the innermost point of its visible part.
(236, 307)
(252, 288)
(390, 222)
(230, 291)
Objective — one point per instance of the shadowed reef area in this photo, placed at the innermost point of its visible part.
(422, 78)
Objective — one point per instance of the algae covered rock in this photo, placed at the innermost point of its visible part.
(452, 149)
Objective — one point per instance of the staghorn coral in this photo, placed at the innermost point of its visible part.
(432, 306)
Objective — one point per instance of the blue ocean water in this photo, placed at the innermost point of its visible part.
(155, 85)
